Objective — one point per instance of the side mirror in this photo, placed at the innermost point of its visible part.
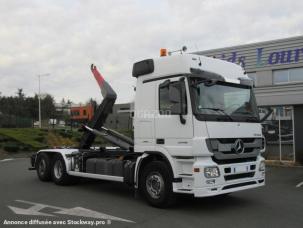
(175, 97)
(174, 94)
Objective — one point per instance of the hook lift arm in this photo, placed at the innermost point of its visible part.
(102, 112)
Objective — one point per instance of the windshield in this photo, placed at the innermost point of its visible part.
(224, 101)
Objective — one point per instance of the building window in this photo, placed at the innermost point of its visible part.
(84, 112)
(288, 75)
(253, 76)
(75, 113)
(296, 74)
(281, 76)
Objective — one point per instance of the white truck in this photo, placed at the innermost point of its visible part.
(196, 131)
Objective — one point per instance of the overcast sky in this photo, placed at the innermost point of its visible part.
(64, 37)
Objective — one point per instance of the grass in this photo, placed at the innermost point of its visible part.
(55, 140)
(27, 136)
(33, 139)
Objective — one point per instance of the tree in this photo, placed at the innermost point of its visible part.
(20, 94)
(32, 104)
(20, 108)
(69, 102)
(48, 108)
(93, 102)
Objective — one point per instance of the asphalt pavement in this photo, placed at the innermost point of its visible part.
(24, 199)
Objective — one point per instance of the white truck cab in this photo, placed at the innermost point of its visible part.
(196, 131)
(211, 135)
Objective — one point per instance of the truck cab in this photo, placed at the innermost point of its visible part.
(201, 114)
(196, 131)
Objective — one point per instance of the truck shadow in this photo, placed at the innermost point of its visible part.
(220, 202)
(184, 201)
(106, 187)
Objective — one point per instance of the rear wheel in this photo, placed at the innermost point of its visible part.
(156, 185)
(59, 174)
(43, 167)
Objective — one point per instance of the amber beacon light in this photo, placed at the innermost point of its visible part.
(163, 52)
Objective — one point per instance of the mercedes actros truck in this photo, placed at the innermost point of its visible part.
(196, 131)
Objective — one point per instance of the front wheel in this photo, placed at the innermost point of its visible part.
(59, 174)
(156, 185)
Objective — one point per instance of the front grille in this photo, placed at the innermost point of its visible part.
(235, 160)
(232, 140)
(225, 148)
(239, 176)
(246, 150)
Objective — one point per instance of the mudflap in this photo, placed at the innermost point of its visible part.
(32, 161)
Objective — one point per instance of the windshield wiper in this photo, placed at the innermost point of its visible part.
(250, 117)
(219, 110)
(253, 118)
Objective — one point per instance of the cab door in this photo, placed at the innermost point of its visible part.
(173, 132)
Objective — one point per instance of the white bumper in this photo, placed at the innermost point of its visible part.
(233, 177)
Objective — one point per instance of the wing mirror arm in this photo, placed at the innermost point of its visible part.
(266, 115)
(182, 119)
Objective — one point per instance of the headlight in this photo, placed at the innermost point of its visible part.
(211, 172)
(263, 146)
(262, 166)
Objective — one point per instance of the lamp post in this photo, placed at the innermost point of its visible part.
(39, 97)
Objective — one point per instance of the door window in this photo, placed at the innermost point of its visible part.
(165, 105)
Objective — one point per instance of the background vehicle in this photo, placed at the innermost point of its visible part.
(196, 131)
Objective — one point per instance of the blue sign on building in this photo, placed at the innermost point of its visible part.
(272, 58)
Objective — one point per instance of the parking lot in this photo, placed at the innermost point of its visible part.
(23, 198)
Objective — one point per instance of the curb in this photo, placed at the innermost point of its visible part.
(7, 159)
(276, 163)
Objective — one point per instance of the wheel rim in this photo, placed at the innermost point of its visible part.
(58, 169)
(154, 185)
(42, 166)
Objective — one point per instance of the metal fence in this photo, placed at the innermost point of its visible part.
(278, 130)
(11, 121)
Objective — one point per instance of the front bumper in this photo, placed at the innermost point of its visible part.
(228, 187)
(233, 177)
(33, 161)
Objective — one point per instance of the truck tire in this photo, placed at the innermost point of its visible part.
(43, 167)
(59, 174)
(156, 185)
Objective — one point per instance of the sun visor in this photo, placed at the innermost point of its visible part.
(143, 67)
